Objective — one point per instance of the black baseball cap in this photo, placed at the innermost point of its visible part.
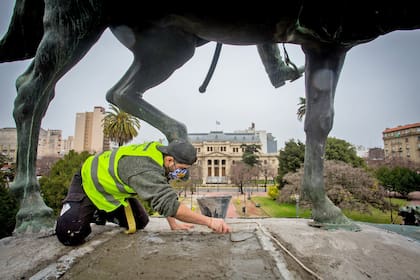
(182, 151)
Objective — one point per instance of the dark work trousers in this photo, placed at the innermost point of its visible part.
(73, 224)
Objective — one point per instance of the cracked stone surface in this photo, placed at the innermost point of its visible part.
(257, 249)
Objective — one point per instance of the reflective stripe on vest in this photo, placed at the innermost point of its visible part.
(101, 181)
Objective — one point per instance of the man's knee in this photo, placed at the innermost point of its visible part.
(73, 224)
(70, 230)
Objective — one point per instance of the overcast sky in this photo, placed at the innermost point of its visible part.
(378, 88)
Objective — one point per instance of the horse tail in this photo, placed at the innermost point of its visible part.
(25, 31)
(216, 55)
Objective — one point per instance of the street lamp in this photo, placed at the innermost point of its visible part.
(390, 202)
(244, 206)
(297, 205)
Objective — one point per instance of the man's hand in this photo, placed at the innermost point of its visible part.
(182, 226)
(186, 215)
(178, 226)
(219, 225)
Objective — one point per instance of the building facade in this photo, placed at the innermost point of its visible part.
(217, 152)
(67, 145)
(50, 143)
(402, 142)
(88, 133)
(8, 142)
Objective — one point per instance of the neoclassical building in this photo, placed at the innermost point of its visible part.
(217, 151)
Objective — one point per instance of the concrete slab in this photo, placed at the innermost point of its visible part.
(257, 249)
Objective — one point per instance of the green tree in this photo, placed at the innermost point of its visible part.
(54, 187)
(338, 149)
(8, 203)
(119, 126)
(301, 109)
(250, 155)
(290, 158)
(8, 209)
(400, 179)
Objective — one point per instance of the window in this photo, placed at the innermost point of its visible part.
(209, 162)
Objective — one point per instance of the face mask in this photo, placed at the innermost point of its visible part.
(179, 173)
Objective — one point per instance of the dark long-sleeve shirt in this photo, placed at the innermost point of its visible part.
(148, 179)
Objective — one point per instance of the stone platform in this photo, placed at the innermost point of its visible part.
(256, 249)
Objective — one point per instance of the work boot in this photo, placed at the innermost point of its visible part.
(278, 71)
(285, 73)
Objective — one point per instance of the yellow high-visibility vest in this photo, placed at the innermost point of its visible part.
(101, 181)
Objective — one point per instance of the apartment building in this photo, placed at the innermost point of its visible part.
(402, 142)
(8, 142)
(217, 151)
(88, 134)
(49, 143)
(68, 144)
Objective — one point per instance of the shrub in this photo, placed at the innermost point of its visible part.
(8, 210)
(273, 192)
(348, 188)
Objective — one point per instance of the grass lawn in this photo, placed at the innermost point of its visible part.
(275, 210)
(376, 216)
(398, 201)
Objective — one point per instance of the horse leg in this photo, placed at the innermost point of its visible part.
(61, 47)
(158, 52)
(323, 67)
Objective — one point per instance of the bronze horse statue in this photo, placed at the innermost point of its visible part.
(57, 34)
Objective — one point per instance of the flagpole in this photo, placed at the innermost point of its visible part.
(217, 124)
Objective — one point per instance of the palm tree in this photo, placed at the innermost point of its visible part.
(302, 108)
(119, 126)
